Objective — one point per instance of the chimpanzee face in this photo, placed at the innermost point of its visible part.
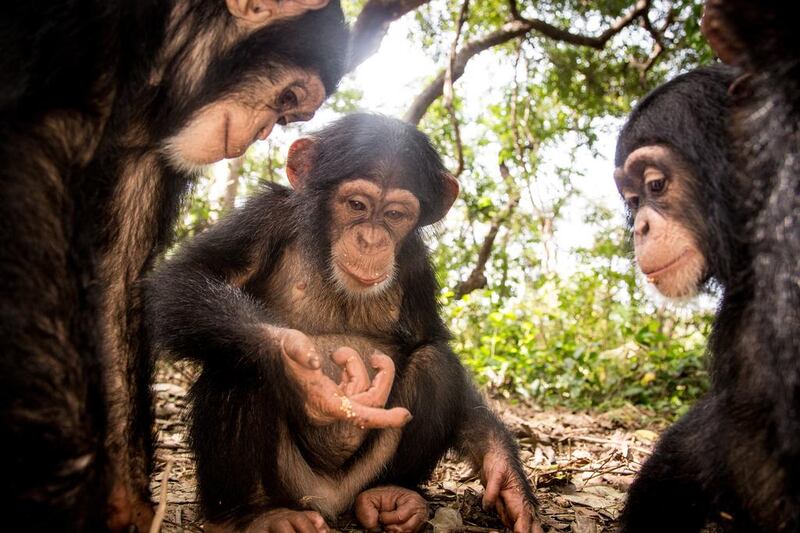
(227, 127)
(368, 224)
(364, 200)
(654, 184)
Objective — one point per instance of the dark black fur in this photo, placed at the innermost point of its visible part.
(244, 392)
(735, 457)
(77, 114)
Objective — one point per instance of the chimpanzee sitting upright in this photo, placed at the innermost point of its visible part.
(299, 287)
(724, 460)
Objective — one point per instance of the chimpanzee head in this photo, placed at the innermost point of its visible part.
(369, 183)
(675, 173)
(261, 63)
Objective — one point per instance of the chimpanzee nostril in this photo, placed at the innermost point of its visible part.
(641, 227)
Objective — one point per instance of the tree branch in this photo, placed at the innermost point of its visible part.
(477, 278)
(508, 31)
(449, 94)
(659, 46)
(235, 167)
(372, 24)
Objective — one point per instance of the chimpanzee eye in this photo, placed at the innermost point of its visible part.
(632, 202)
(394, 215)
(287, 99)
(657, 186)
(355, 205)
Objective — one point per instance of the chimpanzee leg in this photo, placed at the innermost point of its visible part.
(233, 435)
(668, 494)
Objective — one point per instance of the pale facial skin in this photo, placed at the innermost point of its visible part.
(226, 128)
(369, 223)
(652, 182)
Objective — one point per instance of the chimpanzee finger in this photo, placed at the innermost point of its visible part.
(297, 522)
(298, 347)
(316, 520)
(501, 511)
(355, 377)
(523, 523)
(411, 526)
(381, 387)
(373, 417)
(401, 515)
(408, 518)
(366, 510)
(492, 491)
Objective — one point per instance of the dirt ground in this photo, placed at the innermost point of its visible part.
(580, 465)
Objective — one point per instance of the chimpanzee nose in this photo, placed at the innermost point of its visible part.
(641, 226)
(371, 239)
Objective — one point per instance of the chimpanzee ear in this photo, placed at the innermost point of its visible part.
(449, 196)
(299, 161)
(259, 12)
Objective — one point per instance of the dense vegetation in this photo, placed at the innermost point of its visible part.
(528, 129)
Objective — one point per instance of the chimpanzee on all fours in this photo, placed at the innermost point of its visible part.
(326, 283)
(709, 167)
(108, 109)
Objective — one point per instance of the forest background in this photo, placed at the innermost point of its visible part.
(523, 100)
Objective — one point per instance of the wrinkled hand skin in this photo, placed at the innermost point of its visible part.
(505, 492)
(355, 400)
(126, 513)
(392, 509)
(278, 521)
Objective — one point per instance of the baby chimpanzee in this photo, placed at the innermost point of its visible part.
(314, 314)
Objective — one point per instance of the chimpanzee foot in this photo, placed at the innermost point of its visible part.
(279, 521)
(126, 511)
(394, 509)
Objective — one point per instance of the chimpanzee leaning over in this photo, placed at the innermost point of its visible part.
(108, 110)
(708, 167)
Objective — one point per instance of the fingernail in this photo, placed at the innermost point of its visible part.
(313, 362)
(408, 418)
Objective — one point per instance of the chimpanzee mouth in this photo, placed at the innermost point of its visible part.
(365, 281)
(658, 271)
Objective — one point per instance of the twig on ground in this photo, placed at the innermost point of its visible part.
(597, 440)
(155, 527)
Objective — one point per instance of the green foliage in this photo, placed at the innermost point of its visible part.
(586, 339)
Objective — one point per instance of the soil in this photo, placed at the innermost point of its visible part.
(580, 464)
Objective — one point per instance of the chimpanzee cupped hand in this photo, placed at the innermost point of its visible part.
(356, 400)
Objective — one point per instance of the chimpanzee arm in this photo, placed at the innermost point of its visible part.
(486, 443)
(449, 412)
(195, 306)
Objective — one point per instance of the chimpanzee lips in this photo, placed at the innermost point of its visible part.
(657, 271)
(363, 280)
